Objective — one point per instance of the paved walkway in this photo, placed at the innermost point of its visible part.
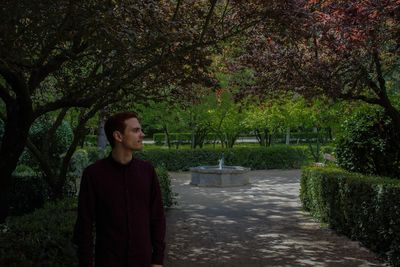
(257, 225)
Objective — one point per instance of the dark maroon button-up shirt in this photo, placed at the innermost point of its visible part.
(124, 203)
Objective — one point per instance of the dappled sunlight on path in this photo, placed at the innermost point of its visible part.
(256, 225)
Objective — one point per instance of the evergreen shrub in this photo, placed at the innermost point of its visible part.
(79, 161)
(365, 208)
(369, 144)
(95, 153)
(90, 140)
(57, 146)
(181, 138)
(169, 197)
(301, 137)
(41, 238)
(28, 191)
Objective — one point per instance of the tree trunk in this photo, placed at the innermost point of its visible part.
(316, 153)
(330, 136)
(394, 114)
(231, 140)
(267, 137)
(193, 144)
(167, 138)
(79, 134)
(101, 134)
(16, 131)
(259, 137)
(287, 136)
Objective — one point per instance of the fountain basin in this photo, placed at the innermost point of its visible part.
(213, 176)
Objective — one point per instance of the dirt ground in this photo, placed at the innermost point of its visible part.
(256, 225)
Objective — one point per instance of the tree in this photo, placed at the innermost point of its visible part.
(227, 118)
(194, 115)
(341, 49)
(163, 116)
(256, 118)
(65, 54)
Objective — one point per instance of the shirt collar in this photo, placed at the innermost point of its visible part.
(118, 164)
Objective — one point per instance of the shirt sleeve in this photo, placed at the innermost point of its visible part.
(83, 232)
(157, 222)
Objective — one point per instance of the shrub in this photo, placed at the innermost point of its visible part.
(42, 238)
(169, 198)
(90, 140)
(181, 138)
(28, 191)
(365, 208)
(300, 137)
(369, 144)
(274, 157)
(96, 153)
(57, 146)
(79, 162)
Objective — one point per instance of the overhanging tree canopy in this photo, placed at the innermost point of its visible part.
(343, 49)
(63, 54)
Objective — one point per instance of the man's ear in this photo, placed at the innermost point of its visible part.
(117, 136)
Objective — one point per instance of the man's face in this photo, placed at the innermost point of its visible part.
(132, 138)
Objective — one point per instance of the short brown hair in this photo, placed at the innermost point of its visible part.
(117, 123)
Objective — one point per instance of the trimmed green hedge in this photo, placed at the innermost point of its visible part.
(369, 143)
(169, 197)
(181, 138)
(41, 238)
(274, 157)
(300, 137)
(28, 191)
(365, 208)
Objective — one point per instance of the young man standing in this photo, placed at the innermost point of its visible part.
(121, 196)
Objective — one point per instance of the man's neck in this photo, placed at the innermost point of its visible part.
(121, 156)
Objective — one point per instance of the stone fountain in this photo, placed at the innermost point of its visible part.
(219, 175)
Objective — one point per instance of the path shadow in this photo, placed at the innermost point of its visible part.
(257, 225)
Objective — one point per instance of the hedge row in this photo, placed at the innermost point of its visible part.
(41, 238)
(181, 138)
(302, 137)
(365, 208)
(274, 157)
(44, 237)
(185, 138)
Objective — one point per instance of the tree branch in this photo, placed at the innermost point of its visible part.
(207, 22)
(46, 50)
(50, 134)
(369, 100)
(54, 64)
(223, 16)
(14, 80)
(43, 162)
(178, 4)
(79, 134)
(69, 101)
(381, 80)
